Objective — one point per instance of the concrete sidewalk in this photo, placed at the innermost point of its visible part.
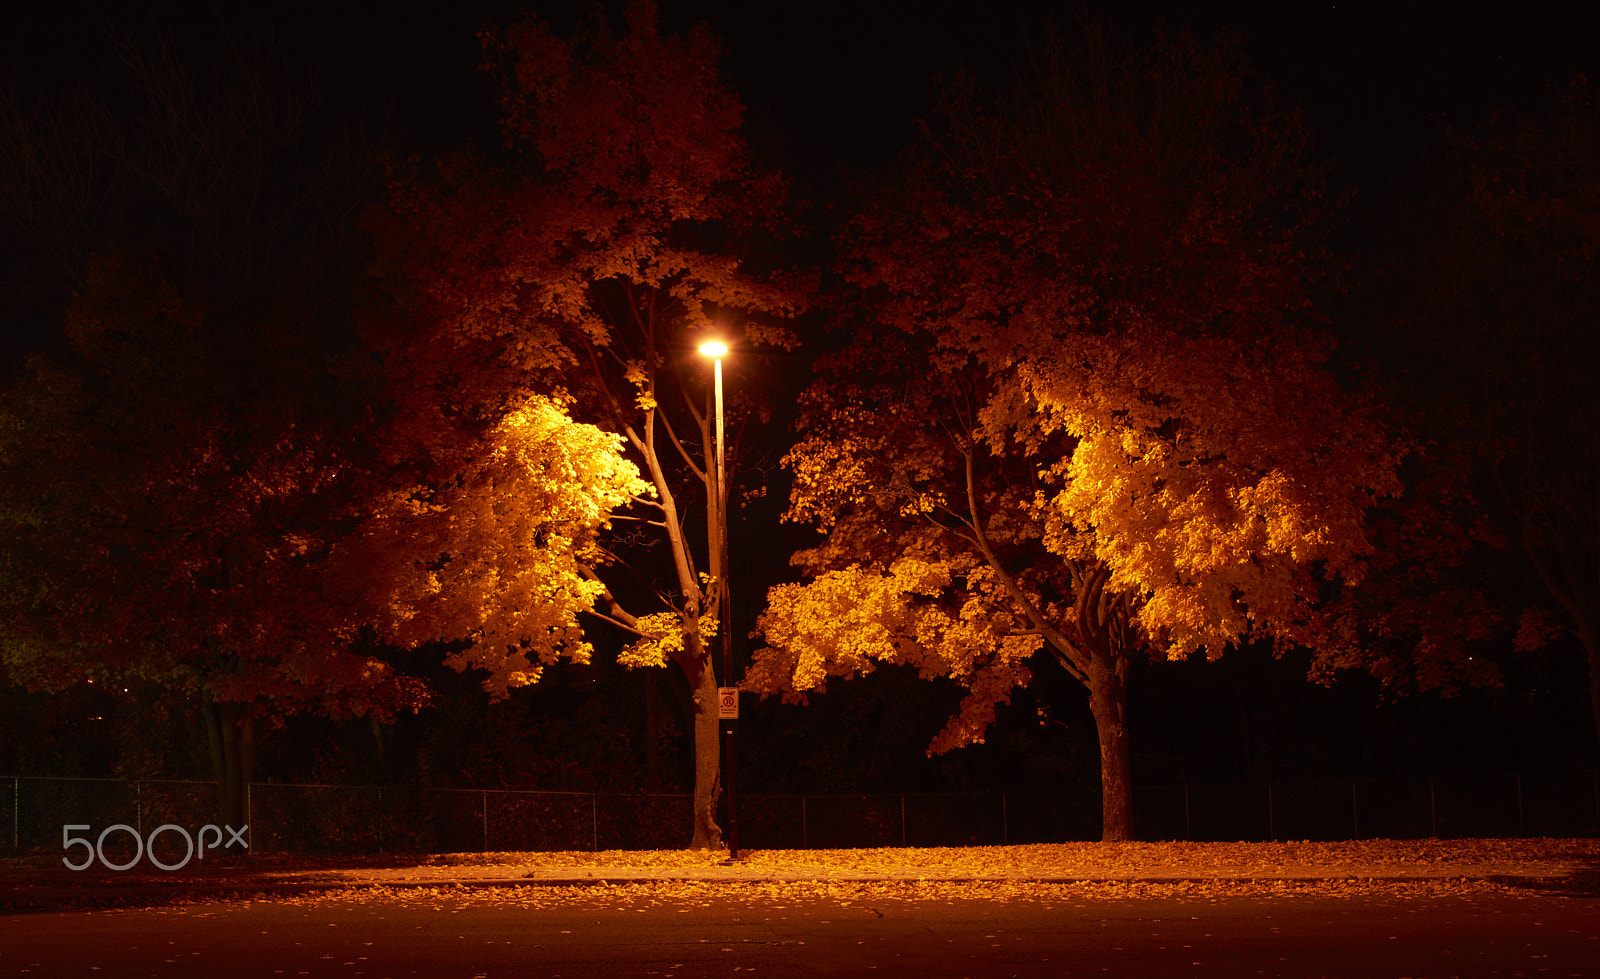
(522, 876)
(1557, 863)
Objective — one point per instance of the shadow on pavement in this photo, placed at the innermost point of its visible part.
(1579, 883)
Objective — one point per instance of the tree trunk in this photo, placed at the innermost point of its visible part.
(707, 760)
(232, 737)
(1108, 701)
(695, 658)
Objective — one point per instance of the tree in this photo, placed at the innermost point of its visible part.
(1501, 312)
(495, 549)
(1431, 608)
(155, 527)
(624, 221)
(171, 479)
(1084, 411)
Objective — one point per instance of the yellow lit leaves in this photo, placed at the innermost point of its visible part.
(666, 634)
(863, 457)
(829, 474)
(640, 377)
(1217, 530)
(1081, 874)
(844, 622)
(494, 557)
(1133, 330)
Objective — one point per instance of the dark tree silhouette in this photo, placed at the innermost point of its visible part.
(170, 478)
(1502, 305)
(1085, 411)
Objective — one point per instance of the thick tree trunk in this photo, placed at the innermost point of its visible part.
(1108, 701)
(232, 736)
(707, 761)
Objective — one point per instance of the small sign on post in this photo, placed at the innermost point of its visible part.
(728, 703)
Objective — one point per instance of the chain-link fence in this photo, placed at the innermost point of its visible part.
(346, 819)
(371, 819)
(1560, 804)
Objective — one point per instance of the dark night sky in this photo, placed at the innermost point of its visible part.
(835, 85)
(840, 81)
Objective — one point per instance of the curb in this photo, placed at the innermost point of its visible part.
(34, 899)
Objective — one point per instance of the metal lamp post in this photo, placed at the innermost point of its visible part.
(728, 694)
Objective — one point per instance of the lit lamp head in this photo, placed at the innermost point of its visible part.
(714, 348)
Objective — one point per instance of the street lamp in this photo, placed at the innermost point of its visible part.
(727, 695)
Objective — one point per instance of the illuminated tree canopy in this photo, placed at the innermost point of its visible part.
(1086, 410)
(626, 222)
(497, 554)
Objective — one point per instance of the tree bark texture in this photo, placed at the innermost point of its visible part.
(1108, 702)
(1097, 657)
(232, 736)
(707, 758)
(695, 658)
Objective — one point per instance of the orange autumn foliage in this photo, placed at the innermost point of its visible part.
(1085, 409)
(623, 221)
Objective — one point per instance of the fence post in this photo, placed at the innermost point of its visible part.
(16, 812)
(484, 793)
(250, 817)
(138, 808)
(594, 822)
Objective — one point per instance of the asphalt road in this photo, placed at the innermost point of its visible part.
(712, 934)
